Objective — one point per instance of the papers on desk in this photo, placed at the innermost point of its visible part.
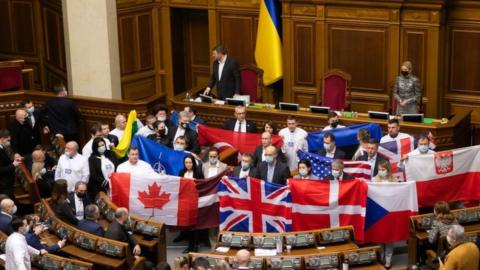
(222, 249)
(219, 102)
(265, 252)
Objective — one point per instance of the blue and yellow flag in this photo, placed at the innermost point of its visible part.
(268, 50)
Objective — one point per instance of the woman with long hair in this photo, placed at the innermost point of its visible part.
(102, 163)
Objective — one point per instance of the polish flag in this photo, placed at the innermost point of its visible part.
(452, 175)
(165, 198)
(328, 204)
(389, 205)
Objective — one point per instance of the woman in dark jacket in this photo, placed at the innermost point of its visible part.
(60, 204)
(190, 169)
(102, 164)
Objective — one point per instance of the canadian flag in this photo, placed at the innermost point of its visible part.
(446, 176)
(165, 198)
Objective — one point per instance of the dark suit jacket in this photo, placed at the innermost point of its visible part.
(7, 174)
(64, 211)
(5, 224)
(113, 139)
(37, 126)
(251, 173)
(257, 156)
(191, 136)
(71, 202)
(199, 120)
(22, 137)
(61, 115)
(364, 157)
(96, 181)
(91, 227)
(230, 125)
(280, 174)
(230, 82)
(338, 154)
(345, 176)
(118, 232)
(34, 241)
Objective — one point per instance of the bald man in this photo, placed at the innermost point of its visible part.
(120, 124)
(23, 139)
(72, 166)
(243, 259)
(116, 231)
(259, 154)
(272, 169)
(8, 208)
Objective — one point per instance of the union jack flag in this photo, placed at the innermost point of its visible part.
(253, 205)
(393, 149)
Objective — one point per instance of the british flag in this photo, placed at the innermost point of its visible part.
(393, 149)
(253, 205)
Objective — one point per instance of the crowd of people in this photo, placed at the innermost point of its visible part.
(74, 179)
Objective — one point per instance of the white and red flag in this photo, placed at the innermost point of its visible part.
(452, 175)
(326, 204)
(169, 199)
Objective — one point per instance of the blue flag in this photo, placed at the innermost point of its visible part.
(321, 166)
(160, 157)
(174, 118)
(344, 137)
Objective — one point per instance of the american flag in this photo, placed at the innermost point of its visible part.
(322, 166)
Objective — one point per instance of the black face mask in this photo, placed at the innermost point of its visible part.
(161, 131)
(334, 124)
(184, 125)
(81, 195)
(405, 73)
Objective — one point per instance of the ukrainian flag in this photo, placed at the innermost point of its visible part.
(130, 130)
(268, 50)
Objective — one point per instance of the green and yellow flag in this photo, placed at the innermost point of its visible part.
(130, 130)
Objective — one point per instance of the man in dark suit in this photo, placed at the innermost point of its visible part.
(338, 173)
(193, 114)
(33, 119)
(246, 168)
(78, 199)
(90, 223)
(372, 156)
(105, 128)
(8, 208)
(183, 129)
(273, 170)
(240, 124)
(22, 138)
(329, 147)
(117, 231)
(61, 115)
(226, 74)
(7, 166)
(260, 150)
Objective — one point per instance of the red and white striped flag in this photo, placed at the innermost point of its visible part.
(358, 169)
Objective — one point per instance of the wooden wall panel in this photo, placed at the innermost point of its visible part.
(127, 37)
(414, 50)
(304, 54)
(238, 34)
(5, 27)
(465, 59)
(23, 29)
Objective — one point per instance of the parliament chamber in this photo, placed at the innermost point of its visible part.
(115, 56)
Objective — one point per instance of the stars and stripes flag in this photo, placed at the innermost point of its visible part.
(253, 205)
(322, 166)
(393, 149)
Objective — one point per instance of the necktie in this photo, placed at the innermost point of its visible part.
(240, 126)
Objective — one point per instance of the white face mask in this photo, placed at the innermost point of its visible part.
(423, 148)
(31, 109)
(178, 147)
(161, 118)
(14, 209)
(335, 173)
(449, 240)
(303, 172)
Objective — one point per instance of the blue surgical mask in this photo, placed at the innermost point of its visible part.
(326, 146)
(178, 147)
(336, 173)
(269, 159)
(423, 148)
(67, 154)
(303, 172)
(101, 149)
(383, 174)
(213, 160)
(31, 110)
(14, 209)
(245, 166)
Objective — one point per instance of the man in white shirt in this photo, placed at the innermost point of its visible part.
(78, 200)
(72, 166)
(133, 164)
(213, 166)
(17, 252)
(333, 121)
(294, 139)
(422, 149)
(393, 132)
(149, 128)
(120, 124)
(95, 131)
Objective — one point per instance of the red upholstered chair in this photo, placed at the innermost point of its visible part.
(336, 89)
(13, 76)
(252, 82)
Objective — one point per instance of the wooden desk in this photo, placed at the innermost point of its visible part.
(454, 134)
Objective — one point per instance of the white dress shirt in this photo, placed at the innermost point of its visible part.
(145, 131)
(243, 126)
(79, 207)
(244, 173)
(292, 141)
(221, 64)
(17, 253)
(180, 132)
(73, 170)
(140, 167)
(329, 127)
(118, 132)
(188, 174)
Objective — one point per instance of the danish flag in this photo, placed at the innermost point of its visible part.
(253, 205)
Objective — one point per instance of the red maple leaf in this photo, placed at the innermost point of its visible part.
(153, 199)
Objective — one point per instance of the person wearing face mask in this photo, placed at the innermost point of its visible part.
(161, 113)
(33, 118)
(102, 163)
(78, 200)
(329, 148)
(72, 166)
(260, 150)
(9, 209)
(337, 172)
(463, 255)
(134, 164)
(149, 128)
(22, 133)
(95, 131)
(214, 166)
(273, 170)
(161, 134)
(183, 129)
(394, 133)
(305, 170)
(422, 149)
(333, 121)
(7, 165)
(407, 90)
(246, 167)
(17, 251)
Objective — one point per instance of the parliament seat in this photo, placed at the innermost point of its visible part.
(336, 92)
(252, 82)
(26, 189)
(14, 76)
